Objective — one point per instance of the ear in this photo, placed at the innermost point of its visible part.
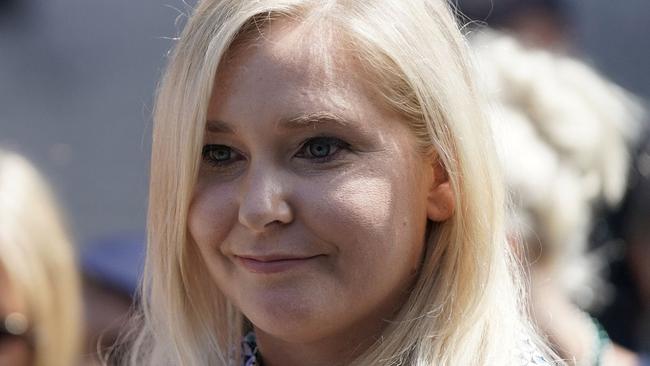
(440, 200)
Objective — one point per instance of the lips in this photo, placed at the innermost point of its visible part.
(269, 264)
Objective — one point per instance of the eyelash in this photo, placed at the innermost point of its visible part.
(338, 145)
(209, 150)
(304, 151)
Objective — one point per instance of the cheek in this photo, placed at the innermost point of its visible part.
(360, 202)
(212, 213)
(373, 221)
(351, 214)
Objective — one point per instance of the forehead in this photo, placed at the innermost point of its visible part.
(293, 47)
(289, 61)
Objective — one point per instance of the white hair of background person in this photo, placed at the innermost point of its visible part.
(37, 255)
(466, 307)
(563, 135)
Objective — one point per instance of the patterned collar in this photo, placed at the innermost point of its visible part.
(251, 353)
(528, 353)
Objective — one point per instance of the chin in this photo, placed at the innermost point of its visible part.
(290, 317)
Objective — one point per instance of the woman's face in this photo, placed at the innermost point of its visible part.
(310, 210)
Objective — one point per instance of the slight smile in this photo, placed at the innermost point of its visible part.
(273, 264)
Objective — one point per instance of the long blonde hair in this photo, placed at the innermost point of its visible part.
(464, 308)
(37, 256)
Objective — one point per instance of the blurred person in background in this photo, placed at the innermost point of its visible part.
(554, 24)
(564, 135)
(40, 304)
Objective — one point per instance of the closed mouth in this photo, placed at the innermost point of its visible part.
(273, 264)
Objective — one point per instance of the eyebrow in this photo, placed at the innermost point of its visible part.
(302, 121)
(216, 126)
(311, 120)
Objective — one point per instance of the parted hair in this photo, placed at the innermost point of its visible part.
(465, 306)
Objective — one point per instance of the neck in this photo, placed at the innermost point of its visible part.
(276, 352)
(330, 350)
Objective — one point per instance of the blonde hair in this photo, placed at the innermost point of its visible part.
(464, 308)
(37, 256)
(564, 134)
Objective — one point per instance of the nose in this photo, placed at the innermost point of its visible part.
(263, 200)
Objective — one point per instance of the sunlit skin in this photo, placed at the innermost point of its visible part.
(312, 201)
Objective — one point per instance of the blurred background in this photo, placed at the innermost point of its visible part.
(76, 85)
(77, 79)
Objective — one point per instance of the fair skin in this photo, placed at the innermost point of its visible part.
(312, 201)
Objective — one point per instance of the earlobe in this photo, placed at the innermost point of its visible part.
(441, 200)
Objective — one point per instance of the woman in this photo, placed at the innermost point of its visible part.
(565, 134)
(40, 302)
(323, 186)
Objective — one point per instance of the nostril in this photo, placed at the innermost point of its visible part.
(264, 198)
(260, 216)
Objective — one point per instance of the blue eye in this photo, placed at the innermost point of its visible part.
(321, 148)
(219, 154)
